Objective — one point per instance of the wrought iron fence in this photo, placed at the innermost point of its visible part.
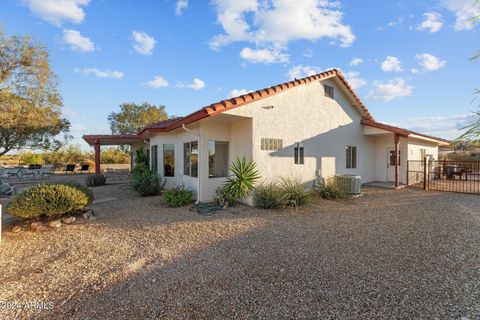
(444, 175)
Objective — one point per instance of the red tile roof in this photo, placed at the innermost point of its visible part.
(224, 105)
(397, 130)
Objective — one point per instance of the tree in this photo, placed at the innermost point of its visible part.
(30, 105)
(134, 117)
(473, 131)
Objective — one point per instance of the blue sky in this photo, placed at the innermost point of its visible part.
(409, 60)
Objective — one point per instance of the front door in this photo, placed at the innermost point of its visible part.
(391, 164)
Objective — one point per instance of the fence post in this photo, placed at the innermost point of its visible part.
(425, 173)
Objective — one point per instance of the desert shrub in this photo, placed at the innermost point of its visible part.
(295, 192)
(83, 188)
(329, 190)
(141, 157)
(269, 196)
(95, 180)
(242, 181)
(48, 200)
(178, 197)
(147, 182)
(222, 198)
(140, 168)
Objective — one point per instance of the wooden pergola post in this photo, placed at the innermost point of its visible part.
(396, 139)
(97, 156)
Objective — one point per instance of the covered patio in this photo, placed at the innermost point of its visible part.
(134, 141)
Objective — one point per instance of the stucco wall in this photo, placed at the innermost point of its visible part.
(414, 147)
(325, 126)
(177, 138)
(382, 144)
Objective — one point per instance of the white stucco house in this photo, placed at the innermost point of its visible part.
(306, 128)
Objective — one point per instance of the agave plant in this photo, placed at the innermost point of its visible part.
(243, 178)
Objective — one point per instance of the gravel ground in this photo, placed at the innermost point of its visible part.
(389, 254)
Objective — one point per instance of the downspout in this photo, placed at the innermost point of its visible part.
(199, 173)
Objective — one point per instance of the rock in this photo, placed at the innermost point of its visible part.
(89, 214)
(69, 220)
(35, 225)
(55, 224)
(16, 229)
(41, 228)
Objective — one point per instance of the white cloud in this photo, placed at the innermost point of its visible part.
(180, 6)
(196, 84)
(391, 64)
(433, 22)
(356, 62)
(143, 43)
(388, 91)
(158, 82)
(448, 127)
(430, 62)
(238, 92)
(77, 41)
(263, 56)
(58, 11)
(273, 25)
(414, 71)
(308, 53)
(302, 71)
(354, 79)
(392, 24)
(99, 73)
(464, 11)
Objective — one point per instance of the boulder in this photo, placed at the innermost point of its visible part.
(55, 224)
(35, 226)
(69, 220)
(16, 229)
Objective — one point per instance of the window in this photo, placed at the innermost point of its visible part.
(351, 157)
(271, 144)
(168, 160)
(391, 160)
(298, 153)
(190, 159)
(423, 153)
(154, 153)
(217, 159)
(329, 91)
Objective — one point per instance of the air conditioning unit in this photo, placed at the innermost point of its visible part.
(349, 183)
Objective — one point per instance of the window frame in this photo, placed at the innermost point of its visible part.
(227, 143)
(188, 149)
(299, 153)
(164, 165)
(154, 157)
(329, 91)
(351, 157)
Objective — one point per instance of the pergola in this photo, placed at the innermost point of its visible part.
(110, 140)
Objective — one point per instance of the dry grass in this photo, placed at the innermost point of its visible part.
(388, 254)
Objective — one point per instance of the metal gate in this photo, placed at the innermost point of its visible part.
(444, 175)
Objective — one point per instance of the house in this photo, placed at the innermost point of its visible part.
(307, 128)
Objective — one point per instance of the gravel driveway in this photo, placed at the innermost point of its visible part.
(389, 254)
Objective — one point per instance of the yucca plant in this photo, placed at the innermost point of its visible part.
(243, 178)
(269, 196)
(295, 192)
(328, 190)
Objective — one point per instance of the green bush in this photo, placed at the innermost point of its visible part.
(222, 198)
(83, 188)
(269, 196)
(329, 191)
(139, 169)
(178, 197)
(241, 183)
(47, 200)
(295, 192)
(147, 183)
